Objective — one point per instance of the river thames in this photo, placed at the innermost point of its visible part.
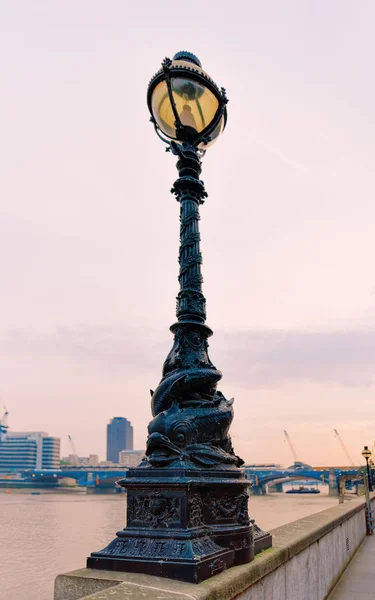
(47, 534)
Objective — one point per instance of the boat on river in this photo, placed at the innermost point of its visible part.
(303, 490)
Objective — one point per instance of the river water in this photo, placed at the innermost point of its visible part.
(51, 533)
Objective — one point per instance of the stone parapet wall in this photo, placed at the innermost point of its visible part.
(306, 561)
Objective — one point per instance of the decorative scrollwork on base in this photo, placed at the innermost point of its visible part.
(230, 507)
(154, 510)
(195, 510)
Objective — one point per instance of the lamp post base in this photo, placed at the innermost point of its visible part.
(203, 558)
(186, 524)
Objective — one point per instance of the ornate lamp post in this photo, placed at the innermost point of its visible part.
(366, 453)
(187, 502)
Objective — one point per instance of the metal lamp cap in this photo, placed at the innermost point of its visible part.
(188, 56)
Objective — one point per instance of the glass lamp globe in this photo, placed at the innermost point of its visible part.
(185, 104)
(366, 453)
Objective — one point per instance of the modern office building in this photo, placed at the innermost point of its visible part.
(29, 450)
(119, 437)
(130, 458)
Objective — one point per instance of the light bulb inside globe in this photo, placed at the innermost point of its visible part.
(187, 117)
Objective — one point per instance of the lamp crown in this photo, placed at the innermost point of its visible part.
(188, 56)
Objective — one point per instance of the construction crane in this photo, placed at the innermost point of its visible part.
(344, 447)
(291, 446)
(4, 423)
(74, 449)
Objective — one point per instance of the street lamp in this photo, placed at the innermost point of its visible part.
(366, 453)
(187, 502)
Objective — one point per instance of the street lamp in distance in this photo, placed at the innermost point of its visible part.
(366, 453)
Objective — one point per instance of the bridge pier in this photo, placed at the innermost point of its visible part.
(259, 490)
(275, 488)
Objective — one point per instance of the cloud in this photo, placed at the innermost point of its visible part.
(119, 349)
(269, 358)
(271, 149)
(254, 359)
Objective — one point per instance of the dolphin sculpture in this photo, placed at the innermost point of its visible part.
(174, 386)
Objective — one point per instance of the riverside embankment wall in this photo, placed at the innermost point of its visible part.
(307, 559)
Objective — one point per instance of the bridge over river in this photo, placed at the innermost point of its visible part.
(89, 477)
(261, 476)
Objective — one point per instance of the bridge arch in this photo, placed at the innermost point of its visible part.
(295, 476)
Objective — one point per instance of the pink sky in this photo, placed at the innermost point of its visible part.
(89, 230)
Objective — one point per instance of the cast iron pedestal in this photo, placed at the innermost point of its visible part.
(181, 524)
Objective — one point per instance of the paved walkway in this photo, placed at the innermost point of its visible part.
(358, 581)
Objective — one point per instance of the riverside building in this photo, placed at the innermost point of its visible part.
(29, 450)
(130, 458)
(92, 460)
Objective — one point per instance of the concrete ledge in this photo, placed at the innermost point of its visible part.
(298, 535)
(289, 540)
(92, 583)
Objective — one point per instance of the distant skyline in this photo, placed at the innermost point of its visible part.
(89, 230)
